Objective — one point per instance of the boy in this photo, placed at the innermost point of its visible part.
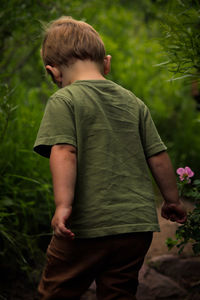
(100, 140)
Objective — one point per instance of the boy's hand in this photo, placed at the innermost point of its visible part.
(59, 220)
(162, 170)
(174, 212)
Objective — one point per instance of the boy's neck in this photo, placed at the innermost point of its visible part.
(81, 70)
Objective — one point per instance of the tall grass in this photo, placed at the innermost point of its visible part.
(25, 187)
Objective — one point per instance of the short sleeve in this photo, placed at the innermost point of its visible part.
(151, 141)
(57, 126)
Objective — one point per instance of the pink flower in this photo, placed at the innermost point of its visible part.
(185, 174)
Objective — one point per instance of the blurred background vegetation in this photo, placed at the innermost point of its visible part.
(155, 48)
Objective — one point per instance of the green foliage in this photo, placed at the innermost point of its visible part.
(182, 38)
(25, 191)
(190, 191)
(189, 231)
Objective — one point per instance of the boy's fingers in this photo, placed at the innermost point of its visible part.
(174, 214)
(62, 231)
(173, 218)
(165, 216)
(66, 231)
(62, 234)
(182, 219)
(165, 213)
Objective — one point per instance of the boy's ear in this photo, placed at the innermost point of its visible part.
(107, 64)
(55, 73)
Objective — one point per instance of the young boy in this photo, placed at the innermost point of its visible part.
(100, 139)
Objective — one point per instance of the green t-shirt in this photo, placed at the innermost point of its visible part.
(114, 134)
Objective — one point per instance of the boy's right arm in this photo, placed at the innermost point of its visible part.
(163, 173)
(63, 168)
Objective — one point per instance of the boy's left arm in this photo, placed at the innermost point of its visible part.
(63, 165)
(163, 173)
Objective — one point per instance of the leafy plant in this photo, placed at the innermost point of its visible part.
(26, 202)
(189, 232)
(181, 40)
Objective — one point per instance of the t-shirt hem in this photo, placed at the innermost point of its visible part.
(43, 145)
(100, 232)
(155, 149)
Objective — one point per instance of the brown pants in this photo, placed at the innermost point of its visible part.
(113, 262)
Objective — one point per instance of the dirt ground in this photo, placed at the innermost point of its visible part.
(168, 229)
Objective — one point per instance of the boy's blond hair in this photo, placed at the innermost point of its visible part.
(67, 39)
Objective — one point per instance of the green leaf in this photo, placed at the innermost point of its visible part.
(196, 182)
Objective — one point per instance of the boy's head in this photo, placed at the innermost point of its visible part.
(67, 40)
